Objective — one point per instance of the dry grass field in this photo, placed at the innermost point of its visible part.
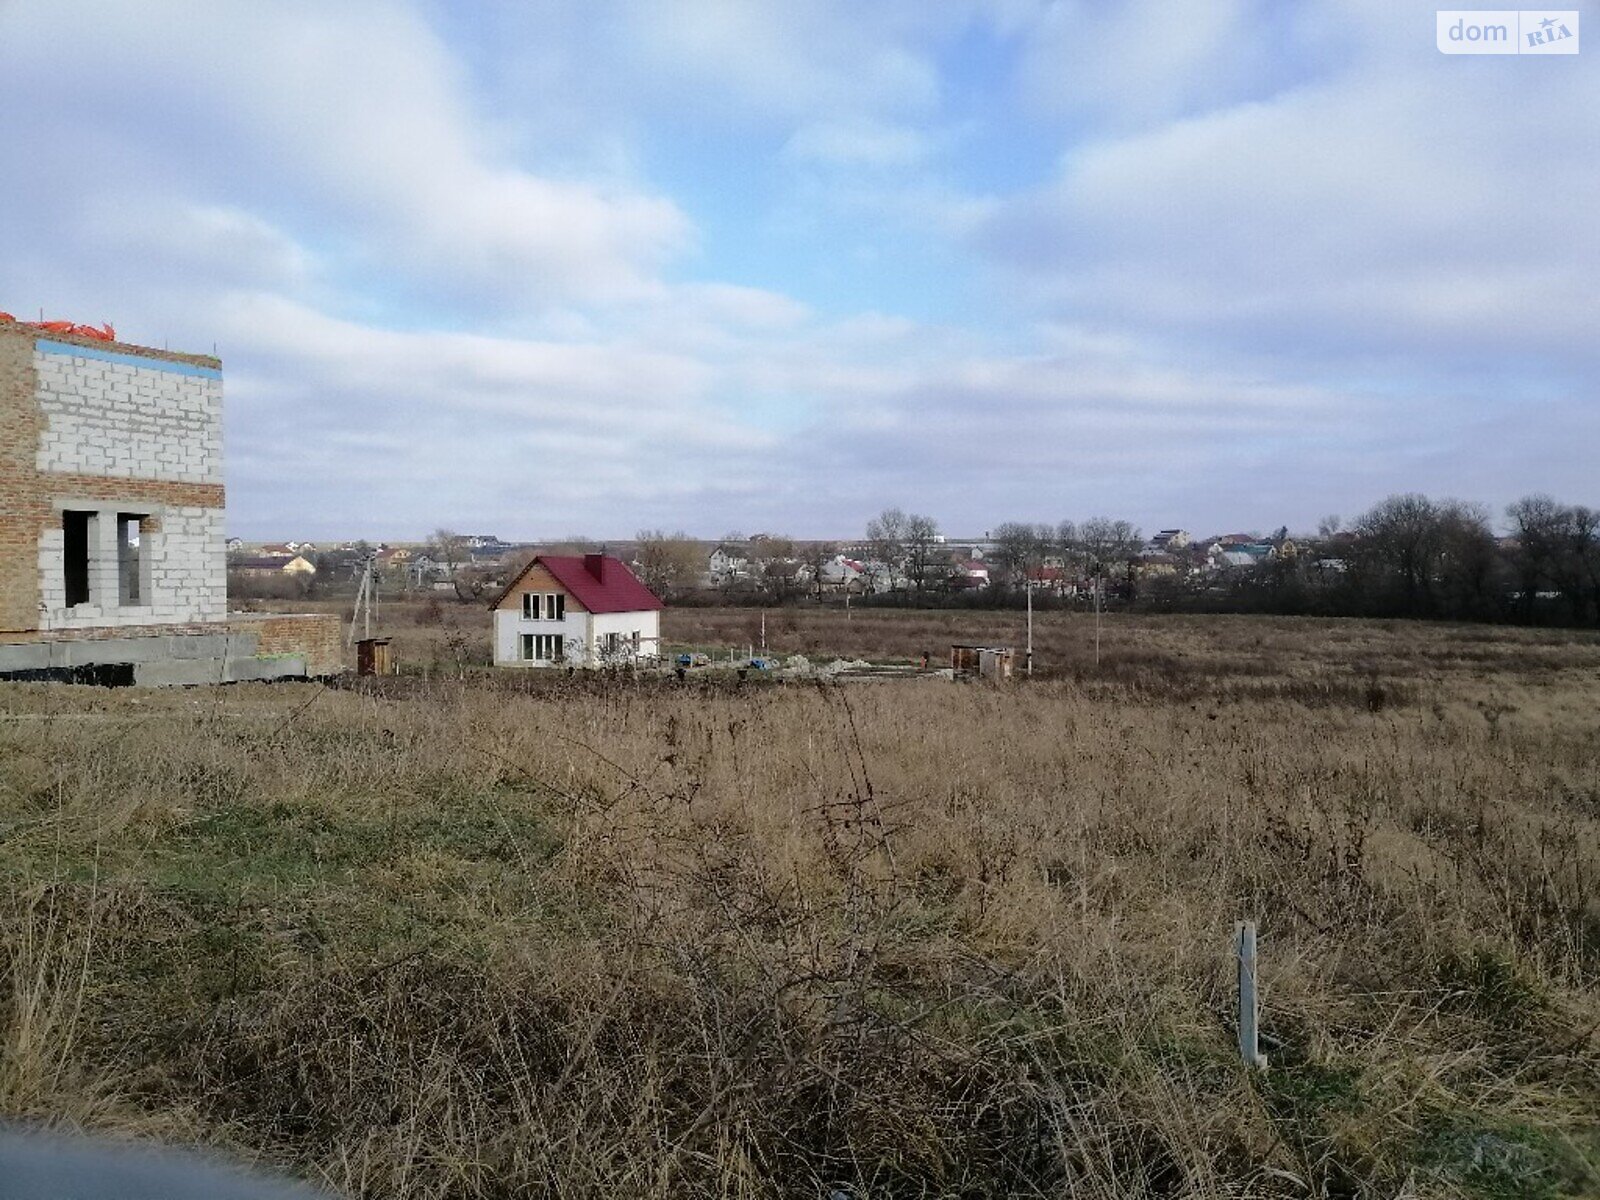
(613, 937)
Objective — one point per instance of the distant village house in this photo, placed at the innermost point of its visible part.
(265, 566)
(575, 610)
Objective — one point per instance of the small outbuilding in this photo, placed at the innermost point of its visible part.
(982, 662)
(584, 610)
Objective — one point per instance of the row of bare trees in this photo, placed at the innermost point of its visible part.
(1098, 547)
(905, 547)
(778, 567)
(1409, 555)
(1412, 555)
(1557, 555)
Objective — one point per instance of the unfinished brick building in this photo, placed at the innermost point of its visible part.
(112, 559)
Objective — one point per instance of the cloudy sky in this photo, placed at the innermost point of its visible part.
(556, 266)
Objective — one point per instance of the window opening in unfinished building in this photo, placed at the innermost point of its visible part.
(76, 528)
(129, 590)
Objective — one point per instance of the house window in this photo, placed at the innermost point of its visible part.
(128, 584)
(543, 647)
(77, 529)
(544, 606)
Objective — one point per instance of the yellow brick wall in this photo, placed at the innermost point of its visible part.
(316, 636)
(20, 511)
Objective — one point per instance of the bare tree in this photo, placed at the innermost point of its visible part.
(1020, 547)
(1558, 550)
(1108, 543)
(1109, 546)
(773, 562)
(1401, 541)
(921, 549)
(1426, 552)
(1470, 562)
(814, 558)
(886, 542)
(1583, 540)
(669, 563)
(449, 550)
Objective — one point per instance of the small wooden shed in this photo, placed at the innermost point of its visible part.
(981, 662)
(373, 657)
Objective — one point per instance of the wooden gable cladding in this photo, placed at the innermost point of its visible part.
(536, 578)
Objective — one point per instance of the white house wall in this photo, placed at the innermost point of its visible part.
(581, 632)
(647, 624)
(510, 625)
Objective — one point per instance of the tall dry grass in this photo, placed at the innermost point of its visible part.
(614, 937)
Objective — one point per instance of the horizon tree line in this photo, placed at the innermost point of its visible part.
(1408, 555)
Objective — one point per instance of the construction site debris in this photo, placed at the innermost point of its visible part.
(103, 333)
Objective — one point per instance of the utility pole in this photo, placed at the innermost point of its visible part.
(365, 598)
(1099, 581)
(1028, 585)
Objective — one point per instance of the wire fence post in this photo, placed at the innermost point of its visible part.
(1244, 936)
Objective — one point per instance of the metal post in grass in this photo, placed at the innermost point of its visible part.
(1244, 938)
(1098, 581)
(1028, 585)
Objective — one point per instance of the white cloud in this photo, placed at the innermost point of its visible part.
(858, 143)
(794, 60)
(1146, 61)
(226, 244)
(748, 307)
(1267, 279)
(356, 112)
(1385, 212)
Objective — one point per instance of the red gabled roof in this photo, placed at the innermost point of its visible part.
(599, 582)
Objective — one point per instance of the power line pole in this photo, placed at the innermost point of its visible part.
(1099, 582)
(1028, 585)
(365, 599)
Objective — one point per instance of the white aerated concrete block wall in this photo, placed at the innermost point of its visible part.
(133, 422)
(189, 571)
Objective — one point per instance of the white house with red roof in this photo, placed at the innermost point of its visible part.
(580, 610)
